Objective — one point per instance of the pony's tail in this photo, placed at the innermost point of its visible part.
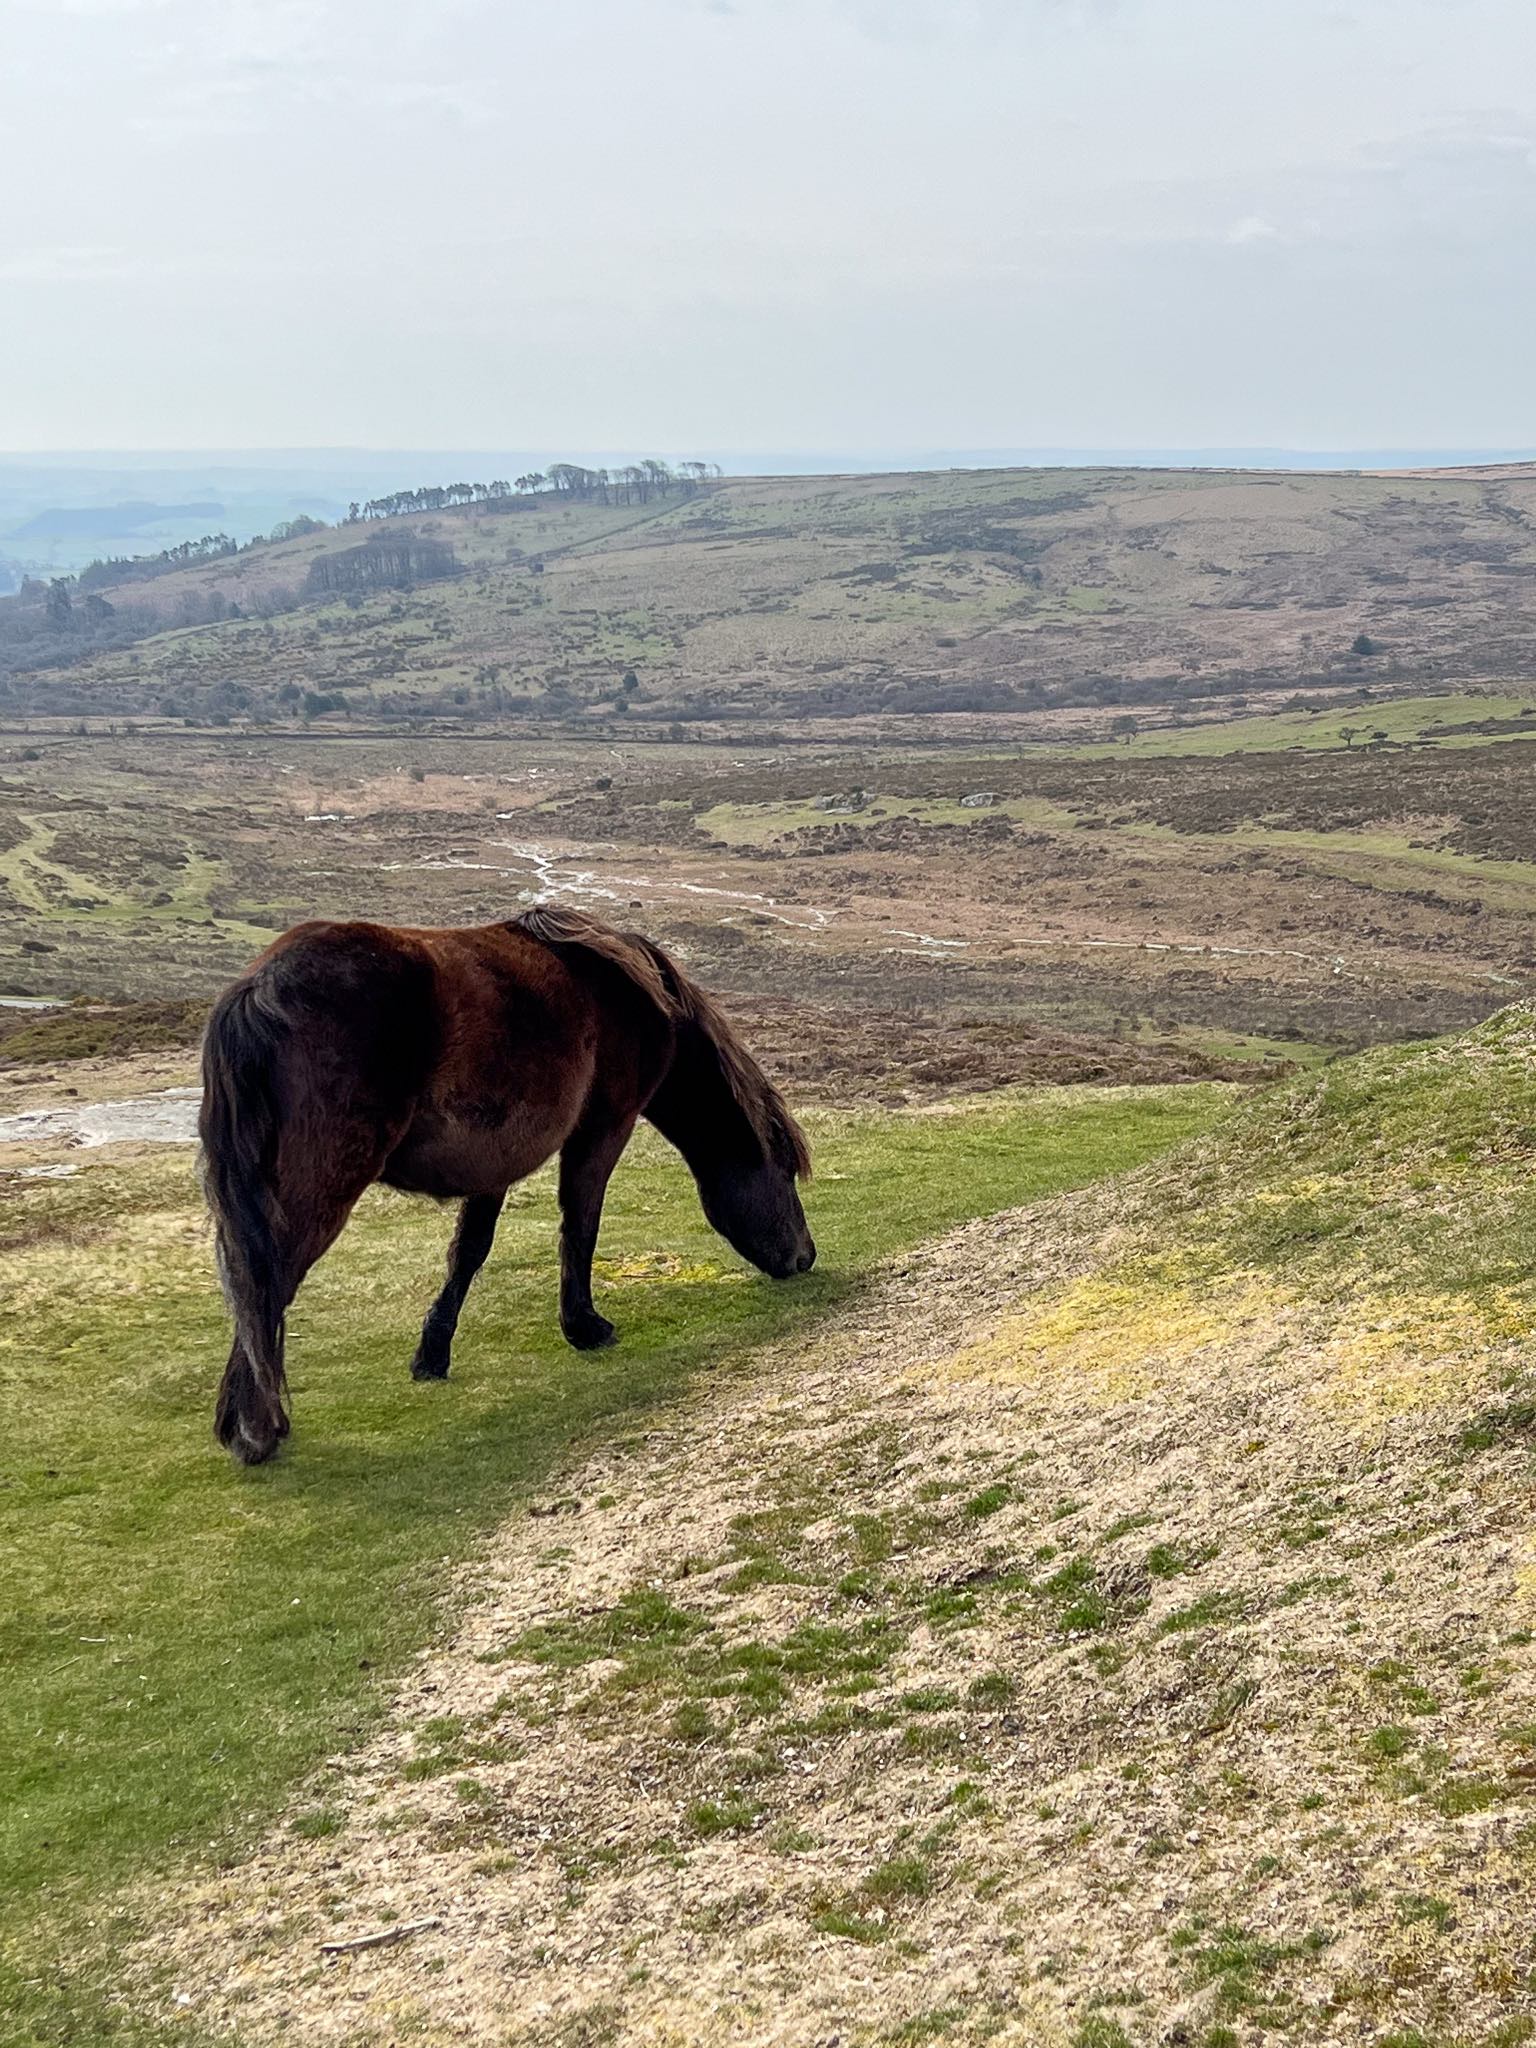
(239, 1125)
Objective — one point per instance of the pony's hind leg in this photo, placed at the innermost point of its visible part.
(471, 1246)
(250, 1418)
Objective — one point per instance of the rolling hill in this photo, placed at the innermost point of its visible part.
(766, 599)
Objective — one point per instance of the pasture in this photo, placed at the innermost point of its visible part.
(185, 1642)
(899, 1541)
(1101, 1622)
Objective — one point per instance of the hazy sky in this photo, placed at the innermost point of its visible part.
(794, 224)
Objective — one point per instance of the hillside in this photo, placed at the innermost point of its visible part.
(1115, 1627)
(773, 598)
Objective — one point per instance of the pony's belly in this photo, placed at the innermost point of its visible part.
(449, 1159)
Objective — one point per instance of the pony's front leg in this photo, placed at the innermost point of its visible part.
(472, 1241)
(586, 1163)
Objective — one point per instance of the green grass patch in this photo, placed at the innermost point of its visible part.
(848, 1925)
(1172, 1560)
(899, 1877)
(1210, 1611)
(928, 1699)
(1241, 1966)
(644, 1619)
(991, 1689)
(1389, 1741)
(926, 2026)
(1406, 1164)
(1461, 1796)
(1081, 1606)
(1450, 721)
(315, 1825)
(1099, 2031)
(1511, 1420)
(711, 1817)
(989, 1500)
(1416, 1908)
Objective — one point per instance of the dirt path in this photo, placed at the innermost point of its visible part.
(1045, 1657)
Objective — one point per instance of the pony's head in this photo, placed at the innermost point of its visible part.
(751, 1198)
(735, 1130)
(715, 1103)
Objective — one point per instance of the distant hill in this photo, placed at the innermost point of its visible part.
(766, 598)
(107, 522)
(56, 513)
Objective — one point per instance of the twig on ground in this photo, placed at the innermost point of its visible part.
(383, 1939)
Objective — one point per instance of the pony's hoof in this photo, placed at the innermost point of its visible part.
(430, 1365)
(250, 1439)
(249, 1449)
(589, 1332)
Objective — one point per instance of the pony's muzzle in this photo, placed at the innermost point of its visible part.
(786, 1268)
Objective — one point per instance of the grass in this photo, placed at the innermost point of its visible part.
(58, 894)
(1417, 721)
(184, 1640)
(1237, 1045)
(101, 1031)
(1385, 859)
(1241, 1965)
(759, 824)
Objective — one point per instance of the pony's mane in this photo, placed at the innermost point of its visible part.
(656, 974)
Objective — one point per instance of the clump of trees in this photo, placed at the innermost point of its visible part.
(386, 562)
(634, 483)
(291, 529)
(115, 569)
(429, 498)
(211, 547)
(45, 623)
(65, 619)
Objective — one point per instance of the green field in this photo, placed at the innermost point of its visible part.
(1154, 1563)
(1401, 721)
(752, 824)
(185, 1640)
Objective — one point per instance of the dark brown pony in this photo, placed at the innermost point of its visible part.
(453, 1063)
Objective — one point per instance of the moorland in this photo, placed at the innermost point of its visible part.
(1094, 1610)
(683, 598)
(1141, 754)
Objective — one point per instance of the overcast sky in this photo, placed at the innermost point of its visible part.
(778, 224)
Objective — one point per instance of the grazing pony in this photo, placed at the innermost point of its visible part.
(453, 1063)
